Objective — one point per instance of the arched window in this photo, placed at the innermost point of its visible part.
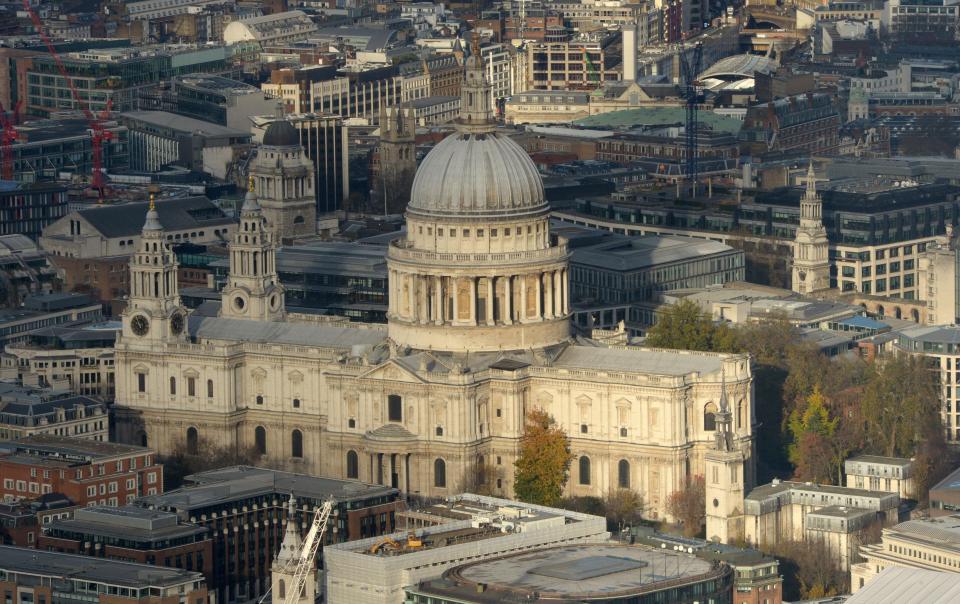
(260, 440)
(209, 388)
(353, 465)
(481, 470)
(881, 311)
(282, 589)
(623, 474)
(298, 220)
(142, 438)
(259, 399)
(296, 444)
(584, 470)
(710, 417)
(394, 408)
(741, 420)
(439, 473)
(296, 403)
(191, 441)
(173, 385)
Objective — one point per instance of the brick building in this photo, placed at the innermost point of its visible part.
(34, 576)
(132, 533)
(807, 123)
(245, 509)
(87, 472)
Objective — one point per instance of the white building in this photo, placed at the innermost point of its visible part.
(930, 544)
(876, 473)
(277, 28)
(478, 334)
(942, 345)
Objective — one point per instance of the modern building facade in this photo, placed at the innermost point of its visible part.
(876, 473)
(27, 208)
(940, 345)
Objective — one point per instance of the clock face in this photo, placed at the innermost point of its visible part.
(140, 325)
(177, 323)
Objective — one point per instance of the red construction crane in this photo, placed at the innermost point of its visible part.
(99, 135)
(8, 136)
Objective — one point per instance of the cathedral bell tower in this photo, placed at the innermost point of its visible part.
(398, 157)
(154, 313)
(724, 480)
(811, 262)
(253, 290)
(284, 178)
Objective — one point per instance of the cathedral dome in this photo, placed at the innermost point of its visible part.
(281, 133)
(477, 173)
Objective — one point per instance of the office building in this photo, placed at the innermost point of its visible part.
(920, 20)
(27, 411)
(877, 473)
(275, 28)
(41, 576)
(806, 124)
(87, 472)
(939, 344)
(945, 495)
(158, 139)
(926, 543)
(379, 570)
(46, 310)
(580, 64)
(133, 534)
(48, 148)
(27, 208)
(218, 100)
(244, 508)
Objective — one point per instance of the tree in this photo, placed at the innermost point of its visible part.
(623, 507)
(809, 570)
(209, 456)
(811, 430)
(543, 466)
(684, 326)
(901, 405)
(688, 505)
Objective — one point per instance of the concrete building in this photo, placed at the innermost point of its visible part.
(478, 331)
(71, 358)
(85, 471)
(914, 20)
(158, 138)
(940, 345)
(133, 534)
(275, 28)
(435, 110)
(876, 473)
(601, 573)
(929, 544)
(363, 572)
(148, 10)
(834, 516)
(45, 149)
(327, 91)
(896, 585)
(24, 270)
(46, 310)
(945, 495)
(580, 64)
(218, 100)
(58, 578)
(938, 278)
(28, 411)
(249, 505)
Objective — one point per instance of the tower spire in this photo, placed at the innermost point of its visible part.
(476, 102)
(152, 222)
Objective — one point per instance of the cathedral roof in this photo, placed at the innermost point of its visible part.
(285, 332)
(478, 174)
(391, 432)
(281, 133)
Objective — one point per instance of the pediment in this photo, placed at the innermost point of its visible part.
(392, 371)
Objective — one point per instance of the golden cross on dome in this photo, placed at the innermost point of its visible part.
(153, 205)
(250, 183)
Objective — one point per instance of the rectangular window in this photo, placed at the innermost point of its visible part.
(191, 386)
(141, 382)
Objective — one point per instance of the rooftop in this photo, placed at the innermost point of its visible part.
(127, 522)
(900, 585)
(91, 569)
(942, 531)
(69, 449)
(165, 119)
(659, 116)
(570, 573)
(635, 253)
(240, 482)
(176, 214)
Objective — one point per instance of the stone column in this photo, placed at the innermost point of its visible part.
(508, 300)
(423, 294)
(523, 298)
(491, 296)
(411, 296)
(557, 294)
(456, 301)
(438, 300)
(473, 300)
(550, 311)
(565, 294)
(539, 306)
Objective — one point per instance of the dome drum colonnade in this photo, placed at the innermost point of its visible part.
(478, 269)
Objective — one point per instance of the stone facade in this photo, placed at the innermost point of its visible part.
(811, 264)
(478, 335)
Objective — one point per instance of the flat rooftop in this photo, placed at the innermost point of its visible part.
(570, 573)
(87, 568)
(165, 119)
(783, 486)
(635, 253)
(880, 459)
(126, 522)
(68, 448)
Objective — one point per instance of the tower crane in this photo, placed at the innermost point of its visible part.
(309, 552)
(8, 136)
(99, 135)
(692, 92)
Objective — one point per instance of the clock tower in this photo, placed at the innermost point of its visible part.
(154, 312)
(724, 480)
(253, 290)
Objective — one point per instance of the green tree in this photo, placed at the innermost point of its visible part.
(811, 430)
(543, 466)
(684, 326)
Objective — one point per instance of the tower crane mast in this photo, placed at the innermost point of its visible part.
(692, 92)
(309, 552)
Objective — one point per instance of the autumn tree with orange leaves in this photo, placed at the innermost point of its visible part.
(544, 463)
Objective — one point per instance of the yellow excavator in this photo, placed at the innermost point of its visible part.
(412, 542)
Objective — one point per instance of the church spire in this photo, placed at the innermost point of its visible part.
(153, 217)
(292, 542)
(724, 418)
